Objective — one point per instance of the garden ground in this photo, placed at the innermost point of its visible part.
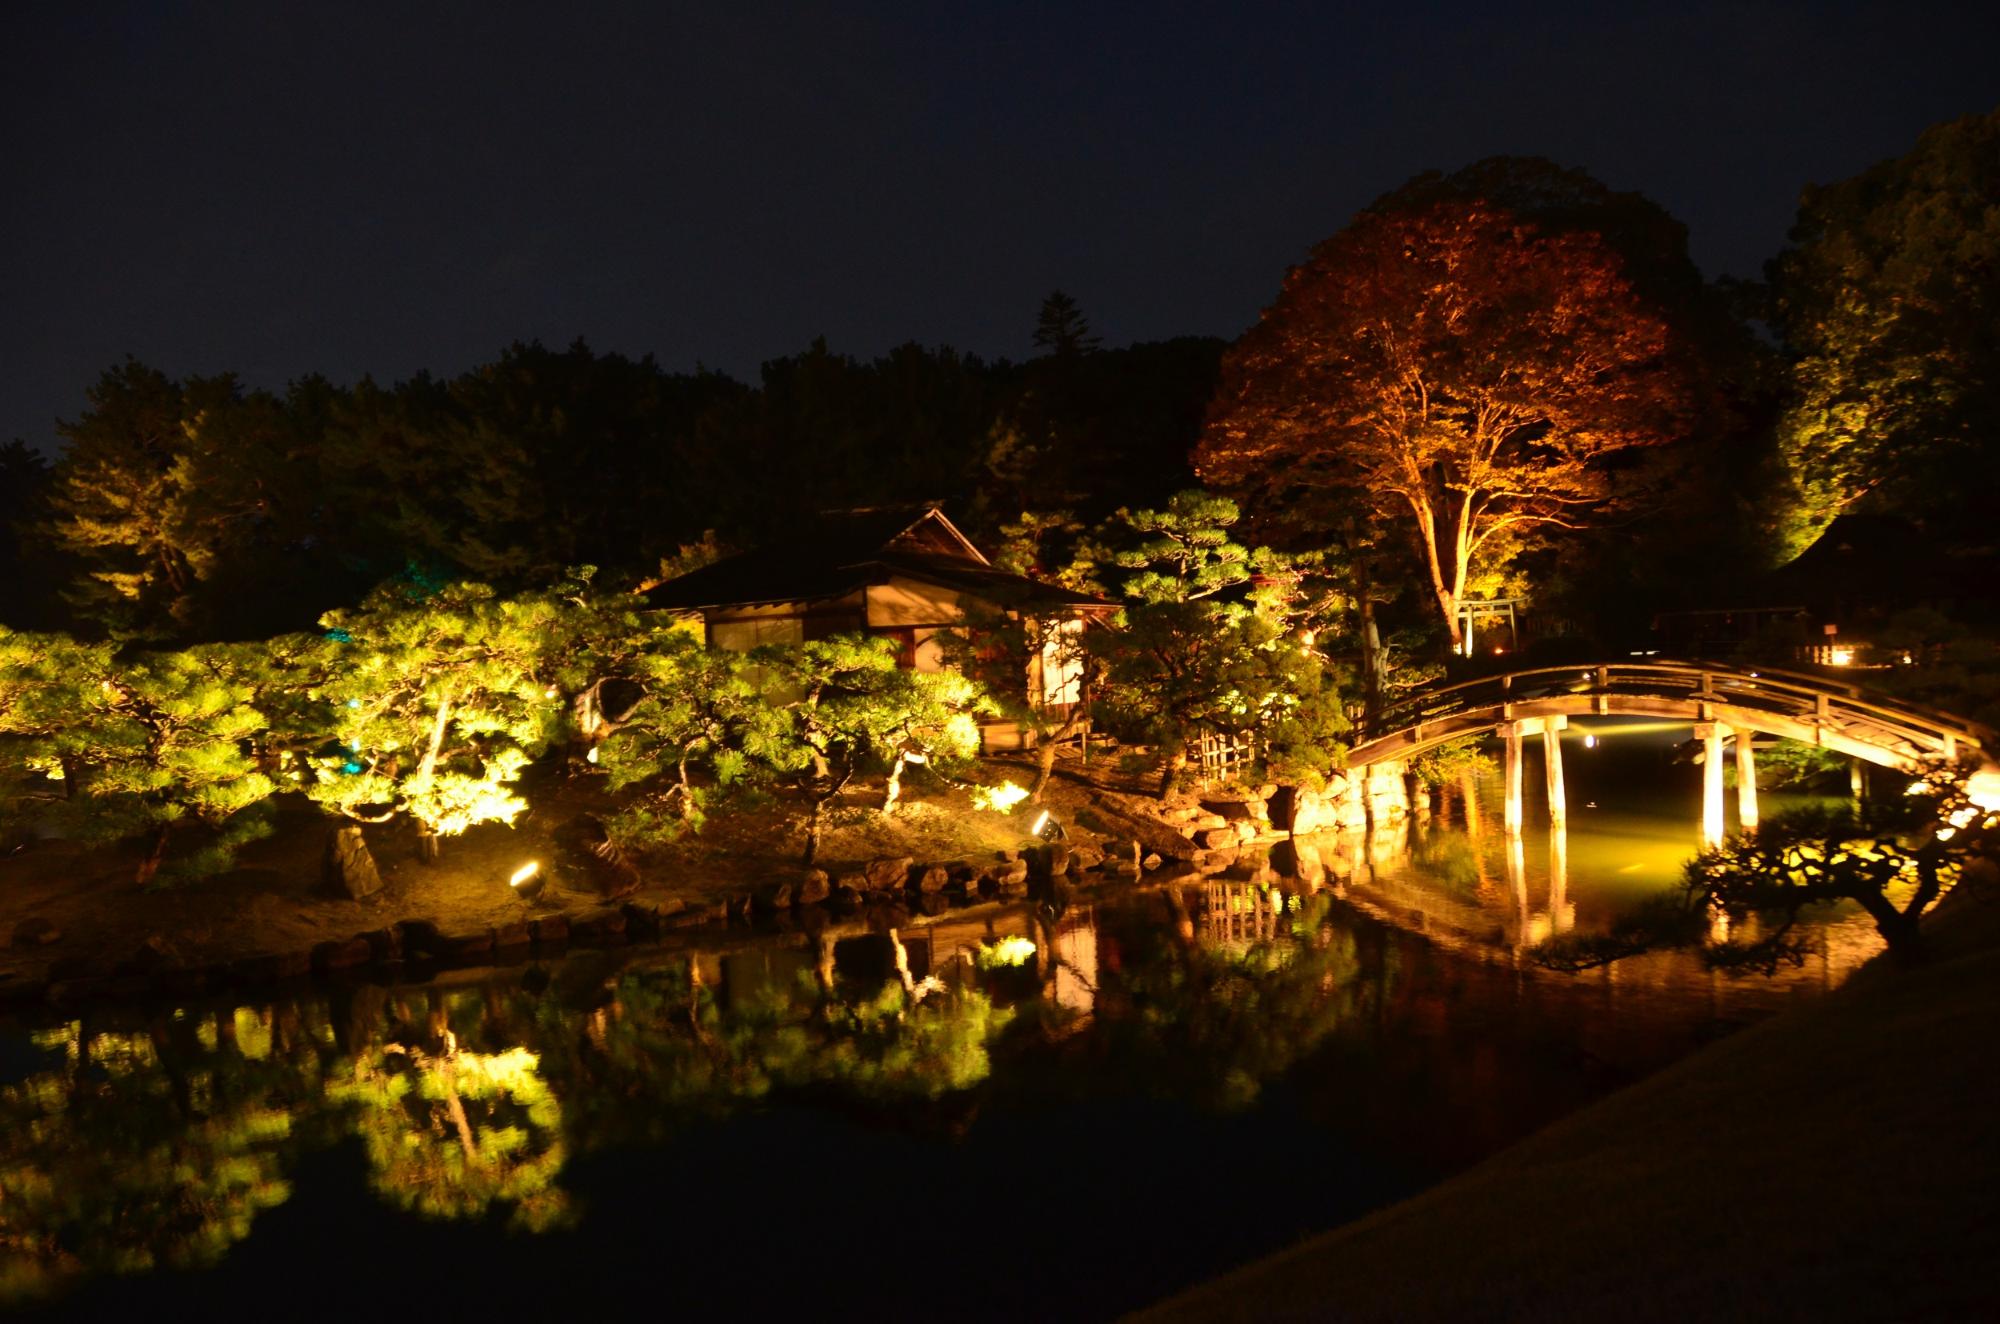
(1836, 1162)
(275, 900)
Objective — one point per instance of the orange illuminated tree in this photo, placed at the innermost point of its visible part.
(1451, 369)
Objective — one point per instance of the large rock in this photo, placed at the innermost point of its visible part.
(512, 936)
(1083, 856)
(337, 955)
(1008, 877)
(932, 878)
(1216, 838)
(1298, 810)
(891, 873)
(1300, 860)
(813, 888)
(36, 931)
(1049, 861)
(348, 869)
(587, 844)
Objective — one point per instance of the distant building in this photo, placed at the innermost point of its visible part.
(1827, 604)
(903, 573)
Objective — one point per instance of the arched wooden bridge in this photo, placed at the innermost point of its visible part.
(1719, 701)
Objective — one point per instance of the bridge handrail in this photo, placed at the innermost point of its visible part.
(1822, 696)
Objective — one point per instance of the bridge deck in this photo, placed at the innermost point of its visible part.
(1816, 710)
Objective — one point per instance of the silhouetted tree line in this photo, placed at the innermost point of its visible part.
(203, 509)
(1505, 377)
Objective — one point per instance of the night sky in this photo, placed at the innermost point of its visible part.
(345, 188)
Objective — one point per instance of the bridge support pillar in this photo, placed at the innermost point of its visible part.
(1714, 823)
(1746, 782)
(1552, 764)
(1511, 733)
(1562, 915)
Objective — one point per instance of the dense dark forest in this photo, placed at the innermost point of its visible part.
(1859, 378)
(206, 509)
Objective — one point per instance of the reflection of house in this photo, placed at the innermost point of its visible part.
(904, 573)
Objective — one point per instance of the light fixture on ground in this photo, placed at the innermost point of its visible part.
(528, 881)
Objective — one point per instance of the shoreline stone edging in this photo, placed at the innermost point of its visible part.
(406, 943)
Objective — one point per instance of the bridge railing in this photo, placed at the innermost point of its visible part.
(1817, 700)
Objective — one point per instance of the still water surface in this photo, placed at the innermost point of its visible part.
(1094, 1102)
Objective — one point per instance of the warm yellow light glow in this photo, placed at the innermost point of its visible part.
(591, 757)
(1013, 950)
(1983, 789)
(1590, 742)
(1041, 821)
(1002, 797)
(524, 873)
(1841, 657)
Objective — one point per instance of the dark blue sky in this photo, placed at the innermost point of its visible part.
(345, 188)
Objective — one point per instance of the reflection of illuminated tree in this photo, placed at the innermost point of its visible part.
(116, 1161)
(1216, 1022)
(665, 1037)
(451, 1134)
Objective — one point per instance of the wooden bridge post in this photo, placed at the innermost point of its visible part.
(1714, 823)
(1746, 782)
(1512, 734)
(1562, 915)
(1552, 764)
(1517, 882)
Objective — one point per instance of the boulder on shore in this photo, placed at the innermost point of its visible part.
(36, 931)
(891, 873)
(348, 869)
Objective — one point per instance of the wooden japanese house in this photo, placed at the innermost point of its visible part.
(903, 573)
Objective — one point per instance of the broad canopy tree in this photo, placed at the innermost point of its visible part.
(1888, 296)
(1218, 637)
(1453, 369)
(112, 746)
(434, 706)
(837, 706)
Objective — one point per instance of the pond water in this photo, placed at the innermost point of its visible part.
(1094, 1101)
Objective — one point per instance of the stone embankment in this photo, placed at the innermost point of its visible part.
(1204, 835)
(1212, 829)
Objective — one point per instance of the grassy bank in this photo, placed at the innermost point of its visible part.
(1839, 1162)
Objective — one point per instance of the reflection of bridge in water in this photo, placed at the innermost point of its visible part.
(1511, 899)
(1723, 704)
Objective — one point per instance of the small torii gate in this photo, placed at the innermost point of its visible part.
(1721, 702)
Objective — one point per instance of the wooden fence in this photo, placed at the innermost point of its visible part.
(1218, 758)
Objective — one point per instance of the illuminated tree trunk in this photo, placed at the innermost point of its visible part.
(150, 866)
(1045, 757)
(892, 790)
(816, 821)
(902, 956)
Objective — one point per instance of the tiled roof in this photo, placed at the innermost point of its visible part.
(837, 554)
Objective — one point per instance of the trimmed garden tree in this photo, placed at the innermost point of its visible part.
(433, 706)
(1217, 638)
(681, 739)
(837, 706)
(158, 744)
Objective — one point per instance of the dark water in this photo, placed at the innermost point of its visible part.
(1090, 1102)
